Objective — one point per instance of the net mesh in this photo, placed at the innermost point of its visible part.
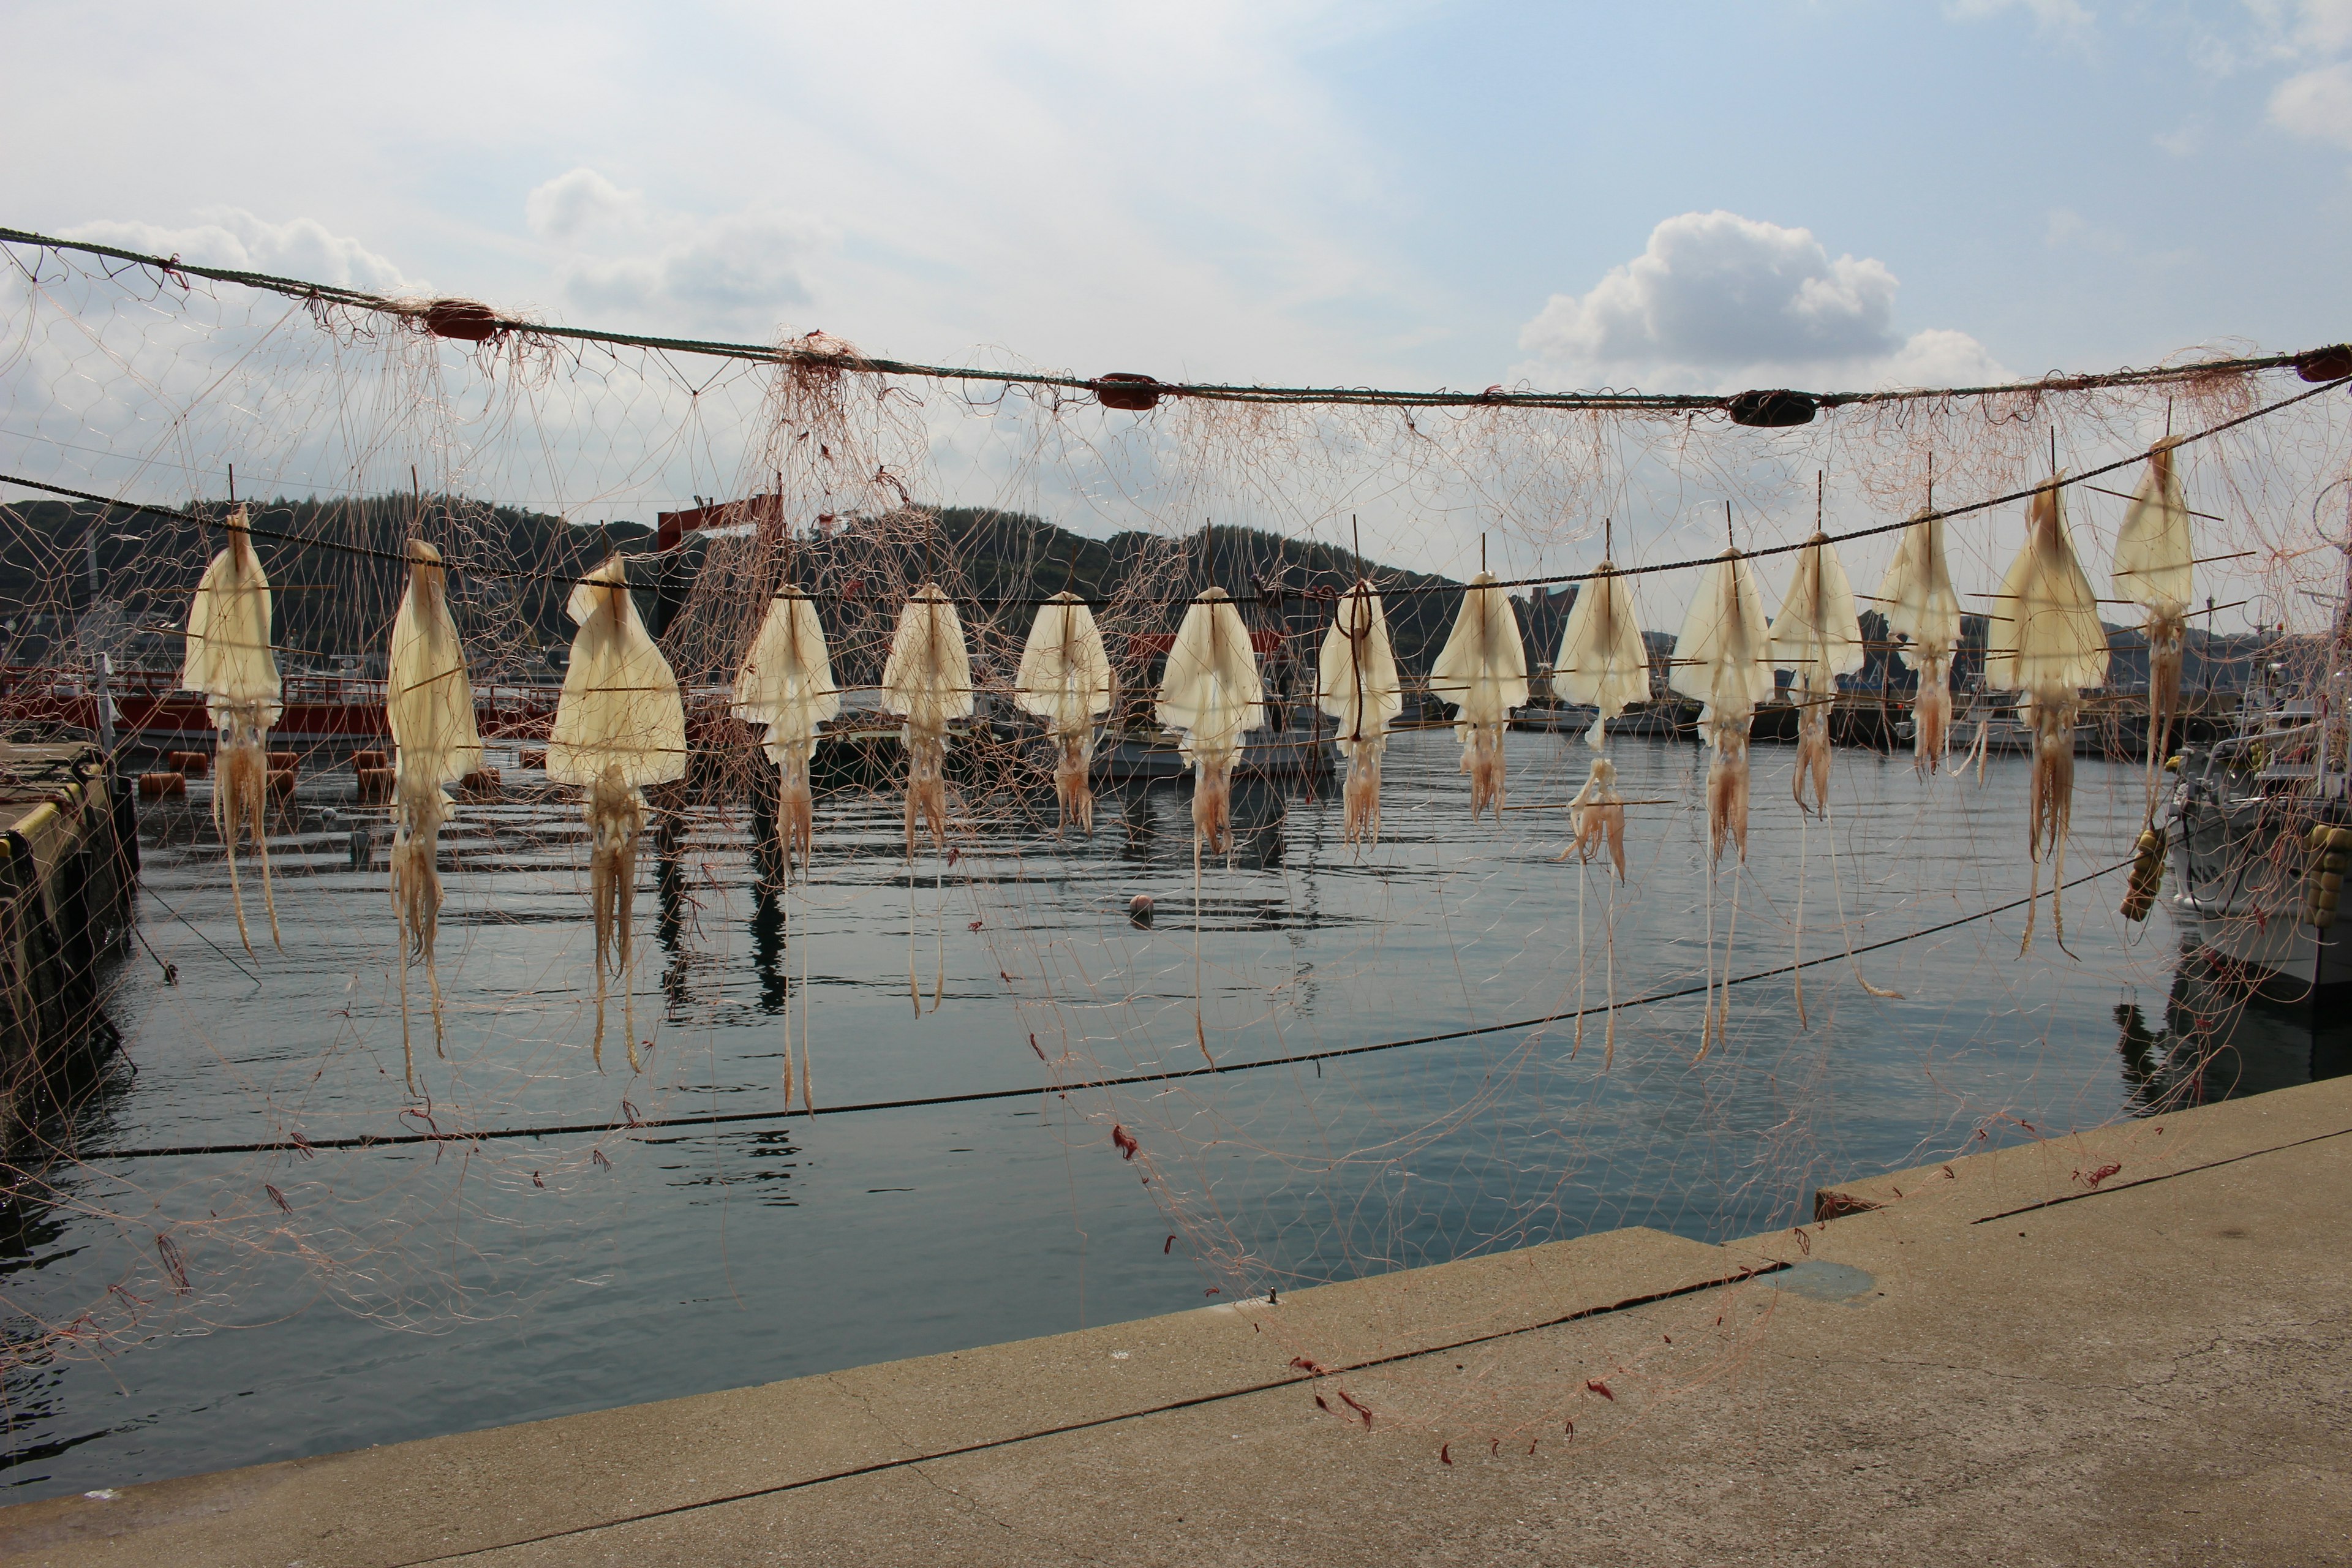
(1310, 1059)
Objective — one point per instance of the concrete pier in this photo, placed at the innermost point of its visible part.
(2131, 1345)
(68, 866)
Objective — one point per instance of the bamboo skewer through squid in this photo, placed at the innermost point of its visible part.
(229, 659)
(1361, 690)
(786, 684)
(1065, 679)
(928, 683)
(2057, 648)
(1483, 670)
(2155, 568)
(1211, 694)
(619, 726)
(429, 708)
(1721, 658)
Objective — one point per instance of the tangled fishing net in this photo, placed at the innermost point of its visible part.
(838, 667)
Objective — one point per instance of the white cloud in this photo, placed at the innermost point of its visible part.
(572, 206)
(2316, 104)
(1718, 298)
(232, 237)
(737, 271)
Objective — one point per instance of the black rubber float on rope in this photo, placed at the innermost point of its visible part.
(1127, 390)
(1773, 409)
(2331, 363)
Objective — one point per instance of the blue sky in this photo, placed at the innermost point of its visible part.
(1409, 194)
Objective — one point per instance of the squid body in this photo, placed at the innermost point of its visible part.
(1722, 659)
(1601, 658)
(619, 726)
(1818, 637)
(1923, 610)
(230, 660)
(429, 705)
(1211, 694)
(2156, 569)
(928, 683)
(2053, 648)
(1065, 679)
(786, 683)
(1361, 692)
(1483, 668)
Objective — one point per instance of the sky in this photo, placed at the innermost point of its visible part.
(1701, 196)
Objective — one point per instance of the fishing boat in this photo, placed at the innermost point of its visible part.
(1148, 756)
(1565, 718)
(2257, 827)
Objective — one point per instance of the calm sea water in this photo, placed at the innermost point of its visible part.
(357, 1297)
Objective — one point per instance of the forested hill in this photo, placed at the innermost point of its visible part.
(336, 600)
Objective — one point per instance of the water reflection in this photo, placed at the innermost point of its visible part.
(2221, 1040)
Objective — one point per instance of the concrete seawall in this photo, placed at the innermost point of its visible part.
(2132, 1345)
(69, 866)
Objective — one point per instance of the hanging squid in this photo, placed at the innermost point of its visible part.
(1599, 816)
(1922, 609)
(2156, 569)
(2055, 647)
(619, 726)
(928, 683)
(1722, 660)
(230, 660)
(1818, 637)
(1602, 661)
(1722, 657)
(1065, 679)
(1601, 658)
(1483, 670)
(1211, 694)
(1358, 674)
(786, 683)
(429, 705)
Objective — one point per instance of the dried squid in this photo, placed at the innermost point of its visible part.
(928, 683)
(1065, 679)
(2051, 647)
(1923, 610)
(1818, 637)
(1601, 658)
(619, 726)
(1357, 677)
(1211, 694)
(429, 705)
(1483, 670)
(1598, 812)
(2155, 568)
(230, 660)
(786, 683)
(1722, 659)
(1599, 816)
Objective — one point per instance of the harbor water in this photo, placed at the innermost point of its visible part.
(310, 1299)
